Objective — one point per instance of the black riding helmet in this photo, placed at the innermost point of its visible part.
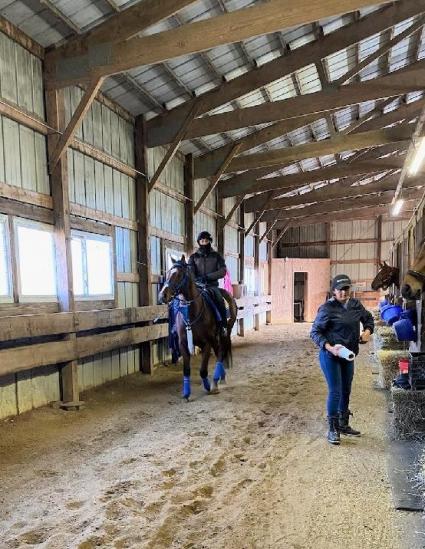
(204, 234)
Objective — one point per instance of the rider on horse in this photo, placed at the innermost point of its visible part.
(208, 267)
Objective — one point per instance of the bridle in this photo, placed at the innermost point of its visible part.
(177, 288)
(416, 274)
(184, 303)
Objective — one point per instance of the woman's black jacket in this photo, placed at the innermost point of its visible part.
(336, 324)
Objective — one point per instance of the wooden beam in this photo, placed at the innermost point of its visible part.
(396, 83)
(76, 119)
(410, 155)
(336, 144)
(162, 129)
(207, 162)
(195, 37)
(241, 262)
(217, 176)
(55, 110)
(268, 231)
(288, 182)
(412, 29)
(189, 204)
(143, 240)
(235, 206)
(379, 238)
(119, 27)
(340, 205)
(369, 212)
(169, 155)
(282, 232)
(338, 190)
(48, 324)
(43, 354)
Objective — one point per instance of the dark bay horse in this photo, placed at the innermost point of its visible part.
(386, 276)
(196, 325)
(414, 281)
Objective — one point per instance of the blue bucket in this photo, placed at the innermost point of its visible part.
(391, 313)
(383, 304)
(410, 314)
(404, 330)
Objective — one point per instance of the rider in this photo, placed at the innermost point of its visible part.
(208, 267)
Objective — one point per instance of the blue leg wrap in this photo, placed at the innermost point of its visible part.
(186, 387)
(206, 383)
(219, 372)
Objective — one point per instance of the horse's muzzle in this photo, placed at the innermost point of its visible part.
(407, 293)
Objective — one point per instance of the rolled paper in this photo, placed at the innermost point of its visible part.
(345, 353)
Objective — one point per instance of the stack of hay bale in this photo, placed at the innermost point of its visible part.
(388, 352)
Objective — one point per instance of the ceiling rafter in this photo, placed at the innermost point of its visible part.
(236, 26)
(161, 129)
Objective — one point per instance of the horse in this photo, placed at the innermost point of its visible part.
(386, 276)
(414, 280)
(196, 325)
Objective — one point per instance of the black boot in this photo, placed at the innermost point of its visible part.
(333, 433)
(344, 427)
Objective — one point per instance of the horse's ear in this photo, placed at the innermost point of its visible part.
(183, 259)
(385, 264)
(173, 259)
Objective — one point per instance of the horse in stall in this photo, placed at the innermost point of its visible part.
(196, 325)
(414, 280)
(386, 276)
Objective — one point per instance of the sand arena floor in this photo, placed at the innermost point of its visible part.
(248, 468)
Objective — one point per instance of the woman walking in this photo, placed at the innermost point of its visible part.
(337, 326)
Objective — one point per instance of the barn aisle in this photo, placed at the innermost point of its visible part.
(248, 468)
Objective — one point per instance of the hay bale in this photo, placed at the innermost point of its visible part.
(409, 413)
(388, 366)
(385, 338)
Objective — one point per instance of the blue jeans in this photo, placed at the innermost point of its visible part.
(339, 376)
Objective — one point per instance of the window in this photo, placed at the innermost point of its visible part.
(35, 261)
(92, 265)
(6, 293)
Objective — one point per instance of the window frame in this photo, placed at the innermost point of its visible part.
(84, 236)
(30, 223)
(10, 298)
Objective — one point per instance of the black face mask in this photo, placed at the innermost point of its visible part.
(205, 248)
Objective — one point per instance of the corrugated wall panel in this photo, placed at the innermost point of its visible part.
(102, 127)
(21, 79)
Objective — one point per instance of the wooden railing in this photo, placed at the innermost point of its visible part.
(253, 305)
(97, 332)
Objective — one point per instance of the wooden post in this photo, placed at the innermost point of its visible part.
(328, 239)
(257, 276)
(169, 155)
(189, 205)
(143, 245)
(379, 240)
(55, 109)
(76, 119)
(241, 323)
(220, 227)
(269, 278)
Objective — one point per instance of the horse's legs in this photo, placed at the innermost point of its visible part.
(186, 369)
(219, 371)
(203, 371)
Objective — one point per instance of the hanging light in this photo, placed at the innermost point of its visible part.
(418, 157)
(397, 207)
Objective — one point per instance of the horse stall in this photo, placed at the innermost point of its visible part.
(131, 414)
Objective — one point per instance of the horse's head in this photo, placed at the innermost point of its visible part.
(414, 281)
(176, 281)
(386, 276)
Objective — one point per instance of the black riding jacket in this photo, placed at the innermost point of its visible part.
(336, 324)
(207, 264)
